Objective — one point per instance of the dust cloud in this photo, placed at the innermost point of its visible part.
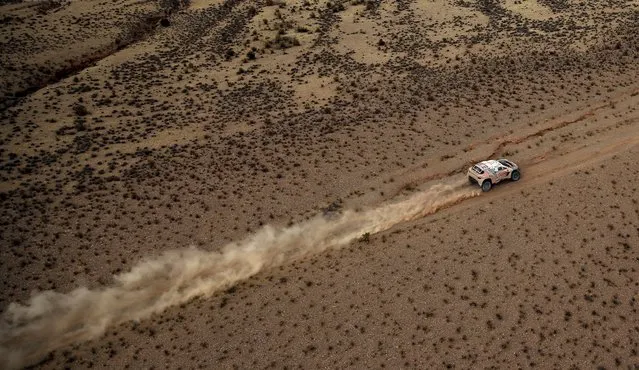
(51, 320)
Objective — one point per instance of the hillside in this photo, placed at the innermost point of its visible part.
(132, 128)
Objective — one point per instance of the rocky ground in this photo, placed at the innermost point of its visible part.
(130, 128)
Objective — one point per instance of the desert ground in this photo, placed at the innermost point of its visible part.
(130, 129)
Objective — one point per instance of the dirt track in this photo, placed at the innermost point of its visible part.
(561, 144)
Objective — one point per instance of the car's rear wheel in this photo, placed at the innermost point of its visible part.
(515, 176)
(486, 185)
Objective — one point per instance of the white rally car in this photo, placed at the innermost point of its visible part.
(488, 173)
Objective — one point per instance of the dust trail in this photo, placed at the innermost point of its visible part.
(51, 320)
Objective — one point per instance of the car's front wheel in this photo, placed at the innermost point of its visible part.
(486, 185)
(515, 176)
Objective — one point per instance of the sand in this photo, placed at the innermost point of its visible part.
(123, 139)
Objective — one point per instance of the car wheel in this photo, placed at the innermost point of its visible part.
(486, 185)
(515, 176)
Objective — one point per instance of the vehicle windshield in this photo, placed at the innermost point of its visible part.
(505, 163)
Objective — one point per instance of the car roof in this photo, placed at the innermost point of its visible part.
(491, 165)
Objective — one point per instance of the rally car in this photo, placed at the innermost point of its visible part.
(488, 173)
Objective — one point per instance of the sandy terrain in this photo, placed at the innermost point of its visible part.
(133, 128)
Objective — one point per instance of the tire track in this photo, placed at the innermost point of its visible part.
(503, 143)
